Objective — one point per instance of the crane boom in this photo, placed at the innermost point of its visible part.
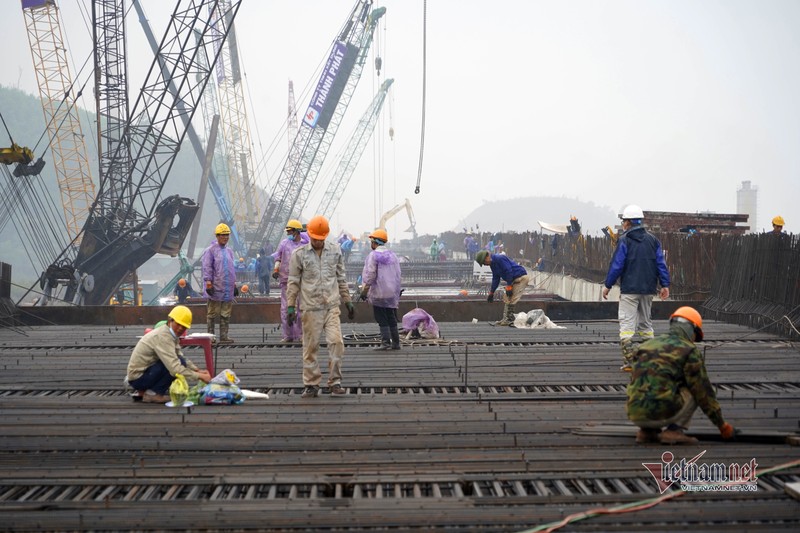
(58, 98)
(122, 232)
(320, 123)
(352, 154)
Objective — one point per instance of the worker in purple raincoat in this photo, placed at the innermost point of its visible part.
(219, 275)
(295, 237)
(381, 286)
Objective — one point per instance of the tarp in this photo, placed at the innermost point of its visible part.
(555, 228)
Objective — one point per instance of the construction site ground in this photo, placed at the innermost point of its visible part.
(485, 429)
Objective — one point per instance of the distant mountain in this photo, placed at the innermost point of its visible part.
(524, 214)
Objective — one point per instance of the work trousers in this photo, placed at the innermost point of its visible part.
(156, 378)
(295, 331)
(518, 287)
(216, 309)
(263, 285)
(634, 316)
(314, 324)
(386, 317)
(681, 418)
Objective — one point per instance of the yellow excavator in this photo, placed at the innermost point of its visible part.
(396, 209)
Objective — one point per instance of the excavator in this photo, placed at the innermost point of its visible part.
(396, 209)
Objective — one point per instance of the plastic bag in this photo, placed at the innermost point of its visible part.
(178, 390)
(420, 320)
(195, 392)
(226, 377)
(216, 394)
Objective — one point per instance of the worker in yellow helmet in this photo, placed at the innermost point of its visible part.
(777, 225)
(157, 357)
(219, 275)
(295, 237)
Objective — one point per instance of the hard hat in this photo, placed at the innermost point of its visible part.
(778, 221)
(181, 282)
(294, 224)
(241, 259)
(222, 229)
(632, 212)
(691, 315)
(245, 288)
(318, 227)
(380, 234)
(182, 315)
(480, 257)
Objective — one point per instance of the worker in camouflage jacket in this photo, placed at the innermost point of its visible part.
(669, 381)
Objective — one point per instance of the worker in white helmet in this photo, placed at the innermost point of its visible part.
(639, 264)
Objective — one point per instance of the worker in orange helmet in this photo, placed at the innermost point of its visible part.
(317, 277)
(381, 286)
(183, 291)
(669, 381)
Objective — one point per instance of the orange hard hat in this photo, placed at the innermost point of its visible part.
(381, 234)
(245, 288)
(318, 228)
(690, 314)
(181, 282)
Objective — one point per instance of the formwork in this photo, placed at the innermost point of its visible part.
(485, 429)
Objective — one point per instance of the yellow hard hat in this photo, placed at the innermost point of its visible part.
(778, 221)
(294, 224)
(318, 228)
(222, 229)
(182, 315)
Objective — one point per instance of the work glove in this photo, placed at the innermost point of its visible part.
(275, 274)
(490, 298)
(291, 315)
(236, 290)
(727, 431)
(363, 296)
(509, 291)
(209, 288)
(351, 311)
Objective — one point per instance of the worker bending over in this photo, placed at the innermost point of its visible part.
(668, 382)
(515, 276)
(157, 357)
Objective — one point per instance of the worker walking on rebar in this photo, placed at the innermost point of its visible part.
(316, 275)
(295, 237)
(219, 275)
(157, 357)
(515, 276)
(264, 265)
(669, 381)
(381, 287)
(639, 264)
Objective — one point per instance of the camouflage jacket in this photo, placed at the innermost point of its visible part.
(662, 367)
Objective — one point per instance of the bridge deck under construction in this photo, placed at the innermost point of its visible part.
(487, 429)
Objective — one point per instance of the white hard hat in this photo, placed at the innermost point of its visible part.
(632, 212)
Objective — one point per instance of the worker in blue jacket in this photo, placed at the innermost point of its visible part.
(515, 276)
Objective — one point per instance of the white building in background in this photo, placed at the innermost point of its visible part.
(747, 204)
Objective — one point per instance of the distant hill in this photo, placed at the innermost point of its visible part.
(523, 214)
(25, 120)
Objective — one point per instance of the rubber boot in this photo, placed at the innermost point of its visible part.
(210, 328)
(395, 337)
(386, 341)
(224, 324)
(508, 316)
(628, 348)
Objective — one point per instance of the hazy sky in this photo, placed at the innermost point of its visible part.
(668, 104)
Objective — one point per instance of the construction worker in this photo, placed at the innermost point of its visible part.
(264, 265)
(219, 275)
(777, 225)
(638, 263)
(157, 357)
(668, 382)
(381, 286)
(183, 291)
(316, 276)
(295, 237)
(515, 276)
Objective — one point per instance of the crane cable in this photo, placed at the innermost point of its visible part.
(424, 81)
